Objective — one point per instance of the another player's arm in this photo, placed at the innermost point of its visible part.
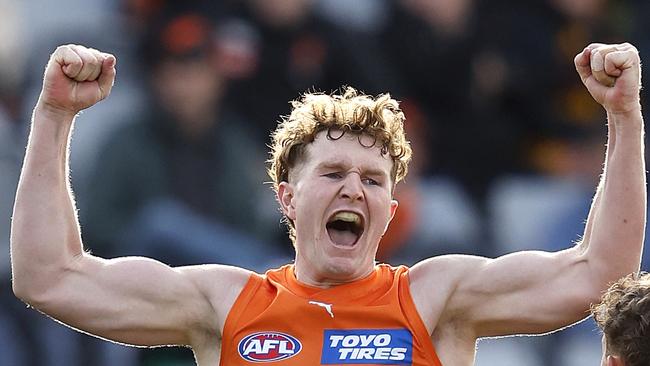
(131, 300)
(536, 292)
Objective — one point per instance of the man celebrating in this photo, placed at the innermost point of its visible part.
(335, 162)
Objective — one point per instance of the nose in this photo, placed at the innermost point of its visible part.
(352, 187)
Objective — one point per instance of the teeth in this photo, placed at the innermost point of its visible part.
(348, 217)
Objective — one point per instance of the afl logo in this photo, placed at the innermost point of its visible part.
(268, 347)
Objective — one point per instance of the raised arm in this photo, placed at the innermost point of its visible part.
(615, 229)
(536, 292)
(130, 300)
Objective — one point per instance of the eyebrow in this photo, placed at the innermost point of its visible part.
(339, 165)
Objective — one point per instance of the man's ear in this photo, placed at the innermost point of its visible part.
(285, 197)
(393, 209)
(614, 361)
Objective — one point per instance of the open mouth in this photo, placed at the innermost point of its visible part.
(345, 228)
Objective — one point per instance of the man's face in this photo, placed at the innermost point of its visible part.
(339, 198)
(189, 88)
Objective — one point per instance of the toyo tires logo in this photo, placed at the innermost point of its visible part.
(367, 346)
(268, 347)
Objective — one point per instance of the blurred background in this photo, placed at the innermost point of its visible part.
(508, 144)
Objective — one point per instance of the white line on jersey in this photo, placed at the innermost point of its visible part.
(328, 307)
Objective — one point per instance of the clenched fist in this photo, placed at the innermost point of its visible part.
(612, 74)
(76, 78)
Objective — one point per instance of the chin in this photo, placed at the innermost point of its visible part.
(342, 268)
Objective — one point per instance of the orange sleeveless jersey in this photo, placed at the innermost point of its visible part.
(372, 321)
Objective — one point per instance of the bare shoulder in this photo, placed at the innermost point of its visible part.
(220, 284)
(444, 270)
(434, 280)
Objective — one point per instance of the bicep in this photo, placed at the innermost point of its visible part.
(526, 292)
(130, 300)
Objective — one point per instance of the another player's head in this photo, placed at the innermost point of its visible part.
(339, 154)
(624, 317)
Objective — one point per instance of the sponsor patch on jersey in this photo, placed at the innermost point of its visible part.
(367, 346)
(268, 347)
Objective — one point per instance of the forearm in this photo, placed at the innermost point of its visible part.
(45, 233)
(595, 203)
(595, 208)
(615, 233)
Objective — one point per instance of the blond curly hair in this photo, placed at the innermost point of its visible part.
(624, 317)
(348, 112)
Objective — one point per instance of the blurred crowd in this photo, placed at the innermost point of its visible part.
(508, 144)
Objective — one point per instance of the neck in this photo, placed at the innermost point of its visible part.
(323, 277)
